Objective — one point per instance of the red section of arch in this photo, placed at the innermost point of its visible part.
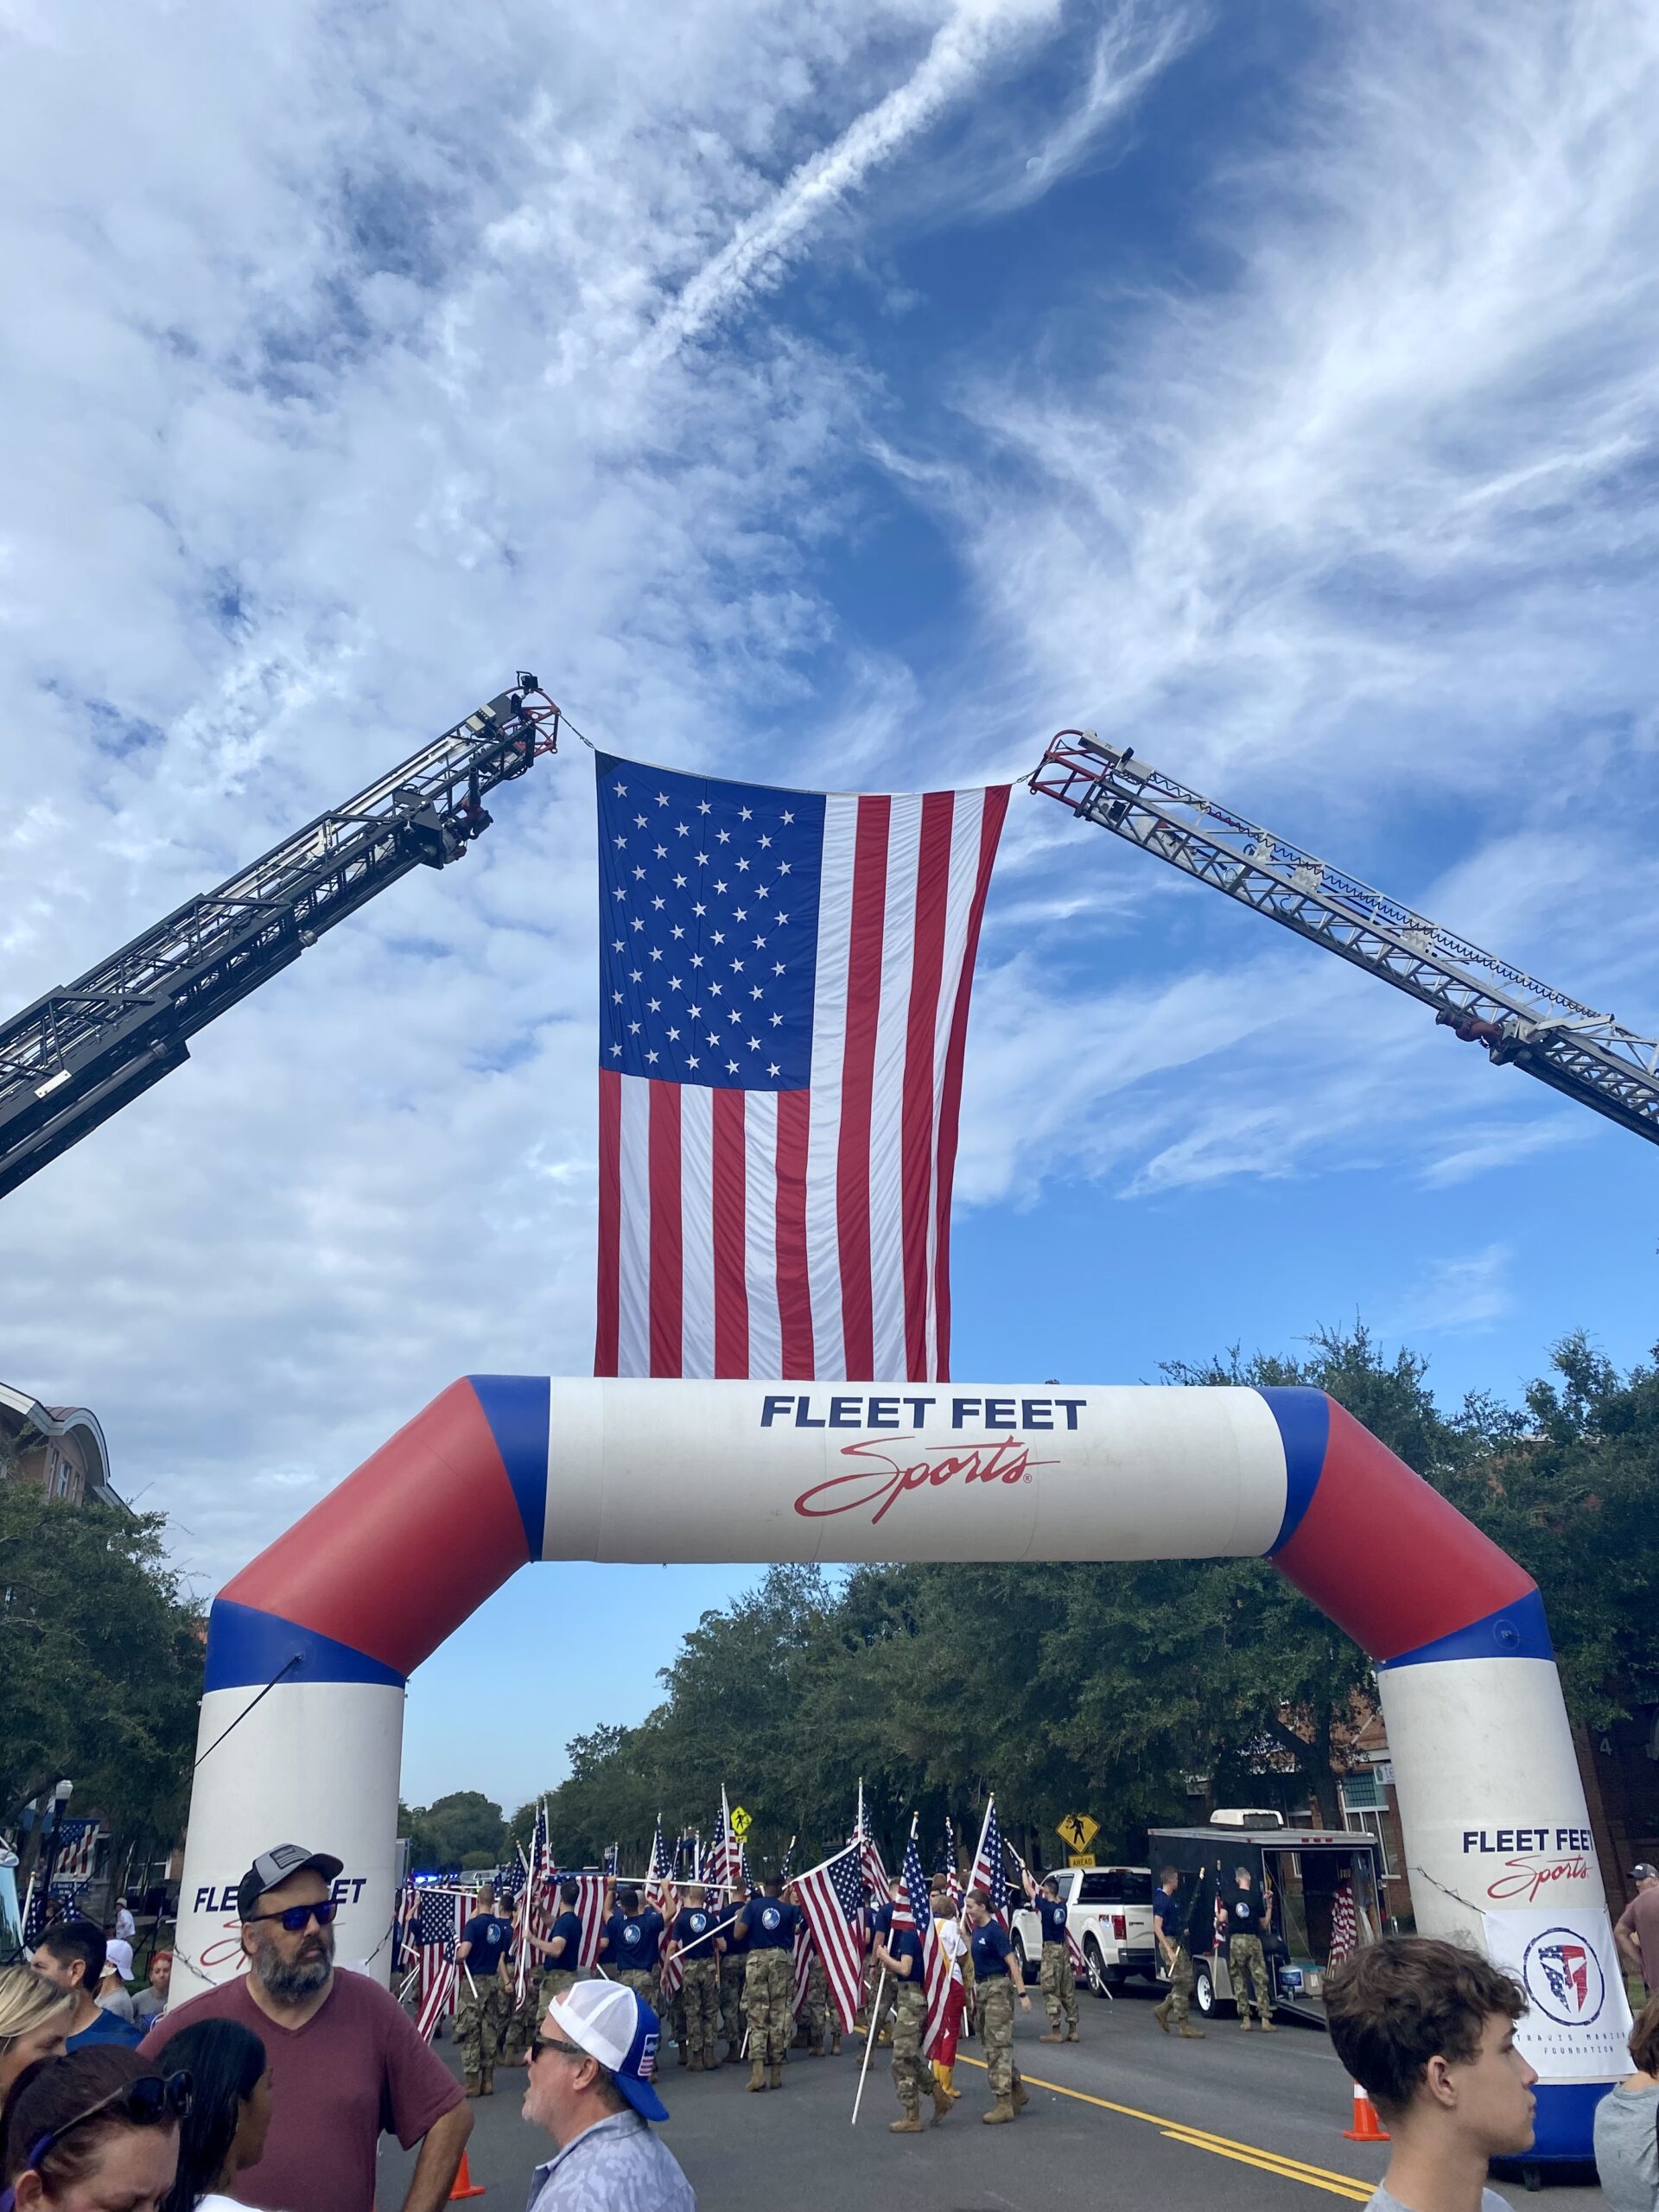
(407, 1548)
(1386, 1557)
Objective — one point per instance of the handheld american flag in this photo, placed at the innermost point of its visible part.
(935, 1965)
(832, 1896)
(662, 1893)
(436, 1931)
(987, 1874)
(783, 988)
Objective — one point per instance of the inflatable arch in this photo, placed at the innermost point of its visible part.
(309, 1648)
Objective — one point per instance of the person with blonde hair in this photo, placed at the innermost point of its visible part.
(35, 2018)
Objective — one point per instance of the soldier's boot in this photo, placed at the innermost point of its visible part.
(1021, 2094)
(815, 2049)
(1267, 2025)
(1071, 2033)
(1189, 2033)
(1000, 2111)
(910, 2124)
(1161, 2013)
(835, 2046)
(757, 2075)
(1244, 2020)
(941, 2101)
(1051, 2035)
(774, 2077)
(486, 2081)
(471, 2085)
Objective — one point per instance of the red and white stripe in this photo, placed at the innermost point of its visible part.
(807, 1234)
(838, 1941)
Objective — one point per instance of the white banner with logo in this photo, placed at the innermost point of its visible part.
(1567, 1963)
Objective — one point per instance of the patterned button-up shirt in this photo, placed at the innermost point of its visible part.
(616, 2165)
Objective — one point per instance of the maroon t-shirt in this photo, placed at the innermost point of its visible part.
(356, 2069)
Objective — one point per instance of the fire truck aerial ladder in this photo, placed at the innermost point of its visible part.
(1521, 1022)
(79, 1054)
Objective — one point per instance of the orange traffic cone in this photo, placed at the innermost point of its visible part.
(464, 2185)
(1367, 2128)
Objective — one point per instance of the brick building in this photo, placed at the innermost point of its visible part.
(59, 1449)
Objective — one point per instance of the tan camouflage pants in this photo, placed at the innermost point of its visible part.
(769, 2000)
(911, 2076)
(642, 1981)
(996, 2033)
(1244, 1956)
(482, 2020)
(873, 1981)
(731, 1998)
(1180, 1987)
(822, 2021)
(700, 1997)
(1060, 1986)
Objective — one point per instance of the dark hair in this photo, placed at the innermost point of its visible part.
(52, 2092)
(772, 1884)
(1644, 2038)
(569, 1891)
(1405, 1999)
(980, 1897)
(225, 2060)
(1051, 1882)
(1168, 1874)
(628, 1897)
(80, 1939)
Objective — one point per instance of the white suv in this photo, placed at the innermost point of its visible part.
(1110, 1916)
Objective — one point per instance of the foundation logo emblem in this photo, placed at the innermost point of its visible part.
(1564, 1976)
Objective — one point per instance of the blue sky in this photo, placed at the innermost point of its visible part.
(850, 399)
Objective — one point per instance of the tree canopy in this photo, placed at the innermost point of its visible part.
(100, 1664)
(464, 1829)
(1119, 1690)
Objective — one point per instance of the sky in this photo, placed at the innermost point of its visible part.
(849, 398)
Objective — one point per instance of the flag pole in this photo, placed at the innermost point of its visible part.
(869, 2041)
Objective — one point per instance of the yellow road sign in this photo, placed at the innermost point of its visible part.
(1079, 1858)
(740, 1822)
(1076, 1831)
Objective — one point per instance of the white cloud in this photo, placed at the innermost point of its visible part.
(1469, 1292)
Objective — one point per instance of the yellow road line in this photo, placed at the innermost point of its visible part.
(1201, 2139)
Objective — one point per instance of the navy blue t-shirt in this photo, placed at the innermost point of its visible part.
(771, 1923)
(1244, 1913)
(108, 2027)
(736, 1945)
(990, 1949)
(696, 1920)
(490, 1938)
(567, 1927)
(906, 1943)
(1053, 1919)
(636, 1940)
(1171, 1911)
(880, 1922)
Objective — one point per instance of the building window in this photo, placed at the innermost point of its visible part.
(1365, 1801)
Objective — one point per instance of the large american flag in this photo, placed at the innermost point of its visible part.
(935, 1965)
(1345, 1922)
(662, 1892)
(832, 1896)
(435, 1933)
(783, 988)
(589, 1909)
(532, 1911)
(988, 1874)
(75, 1848)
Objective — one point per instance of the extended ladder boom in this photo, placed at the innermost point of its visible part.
(1523, 1022)
(79, 1054)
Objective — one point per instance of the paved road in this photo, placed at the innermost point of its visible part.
(1128, 2117)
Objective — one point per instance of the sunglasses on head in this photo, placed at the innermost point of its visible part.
(150, 2101)
(296, 1917)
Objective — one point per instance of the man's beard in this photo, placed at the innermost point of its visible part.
(291, 1981)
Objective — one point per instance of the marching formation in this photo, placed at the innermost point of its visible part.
(739, 1969)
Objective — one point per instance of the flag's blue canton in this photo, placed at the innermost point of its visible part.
(436, 1922)
(847, 1876)
(709, 928)
(998, 1882)
(916, 1886)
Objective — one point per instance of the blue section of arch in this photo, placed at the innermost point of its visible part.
(1304, 1419)
(247, 1649)
(516, 1408)
(1516, 1631)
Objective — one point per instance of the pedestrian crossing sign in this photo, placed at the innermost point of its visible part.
(741, 1823)
(1076, 1831)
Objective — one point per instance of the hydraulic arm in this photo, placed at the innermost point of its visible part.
(1483, 1000)
(79, 1054)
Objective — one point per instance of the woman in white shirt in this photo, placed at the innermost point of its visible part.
(224, 2133)
(954, 1944)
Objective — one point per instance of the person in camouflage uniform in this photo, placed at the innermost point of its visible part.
(899, 1954)
(768, 1925)
(483, 2002)
(698, 2000)
(734, 1958)
(633, 1945)
(1055, 1974)
(1169, 1926)
(997, 1979)
(818, 2014)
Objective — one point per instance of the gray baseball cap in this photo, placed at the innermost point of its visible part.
(276, 1866)
(1644, 1872)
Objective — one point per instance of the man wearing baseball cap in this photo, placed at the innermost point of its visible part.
(590, 2087)
(345, 2058)
(1638, 1932)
